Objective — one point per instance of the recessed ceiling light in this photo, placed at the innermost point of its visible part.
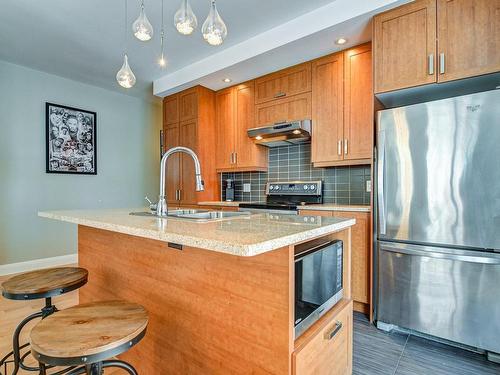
(341, 41)
(227, 80)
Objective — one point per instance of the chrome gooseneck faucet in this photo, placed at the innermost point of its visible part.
(162, 208)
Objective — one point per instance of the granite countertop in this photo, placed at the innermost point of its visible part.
(242, 236)
(222, 203)
(336, 207)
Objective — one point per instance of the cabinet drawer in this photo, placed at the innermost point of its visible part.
(296, 107)
(329, 351)
(285, 83)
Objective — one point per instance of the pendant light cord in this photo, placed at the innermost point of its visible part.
(125, 28)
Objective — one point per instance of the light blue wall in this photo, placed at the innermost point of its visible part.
(127, 160)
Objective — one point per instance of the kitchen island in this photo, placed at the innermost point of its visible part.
(220, 294)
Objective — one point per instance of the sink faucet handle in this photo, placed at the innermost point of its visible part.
(152, 206)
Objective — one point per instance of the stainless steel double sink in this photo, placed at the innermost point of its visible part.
(196, 215)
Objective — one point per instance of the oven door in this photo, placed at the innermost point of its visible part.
(318, 283)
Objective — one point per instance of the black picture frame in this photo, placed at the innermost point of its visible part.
(70, 145)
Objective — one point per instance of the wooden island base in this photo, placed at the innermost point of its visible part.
(209, 312)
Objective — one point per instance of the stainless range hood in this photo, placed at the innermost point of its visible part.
(282, 133)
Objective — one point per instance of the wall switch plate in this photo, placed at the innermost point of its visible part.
(247, 188)
(368, 186)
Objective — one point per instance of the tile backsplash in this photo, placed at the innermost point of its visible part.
(342, 185)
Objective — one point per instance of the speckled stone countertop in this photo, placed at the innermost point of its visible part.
(335, 207)
(222, 203)
(243, 236)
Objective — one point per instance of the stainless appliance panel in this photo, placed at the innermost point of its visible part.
(439, 172)
(447, 293)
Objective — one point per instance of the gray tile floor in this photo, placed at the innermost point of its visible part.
(380, 353)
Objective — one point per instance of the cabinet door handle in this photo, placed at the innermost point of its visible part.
(231, 159)
(235, 158)
(330, 335)
(339, 147)
(441, 63)
(431, 64)
(346, 147)
(179, 195)
(280, 94)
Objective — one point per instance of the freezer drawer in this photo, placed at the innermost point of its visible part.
(452, 294)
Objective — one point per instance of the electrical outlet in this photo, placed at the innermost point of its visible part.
(247, 188)
(368, 186)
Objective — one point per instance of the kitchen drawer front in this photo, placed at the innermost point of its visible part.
(285, 83)
(296, 107)
(329, 352)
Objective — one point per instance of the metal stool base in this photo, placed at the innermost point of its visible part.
(96, 368)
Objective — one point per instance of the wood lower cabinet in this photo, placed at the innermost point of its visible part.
(405, 50)
(297, 107)
(468, 38)
(284, 83)
(235, 114)
(326, 348)
(189, 121)
(361, 260)
(342, 108)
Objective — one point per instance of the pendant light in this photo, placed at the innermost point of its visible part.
(142, 27)
(184, 19)
(162, 62)
(125, 77)
(214, 29)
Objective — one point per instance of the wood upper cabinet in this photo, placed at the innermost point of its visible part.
(342, 108)
(327, 109)
(284, 83)
(297, 107)
(188, 104)
(235, 114)
(171, 110)
(406, 54)
(225, 124)
(196, 133)
(358, 103)
(468, 38)
(404, 44)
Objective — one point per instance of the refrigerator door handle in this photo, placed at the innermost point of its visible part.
(380, 182)
(434, 252)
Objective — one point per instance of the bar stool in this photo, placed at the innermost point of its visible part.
(40, 284)
(88, 335)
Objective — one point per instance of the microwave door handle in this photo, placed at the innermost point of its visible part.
(380, 182)
(309, 250)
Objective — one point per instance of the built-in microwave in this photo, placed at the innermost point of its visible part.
(318, 281)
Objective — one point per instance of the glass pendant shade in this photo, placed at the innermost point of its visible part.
(214, 29)
(142, 28)
(125, 77)
(184, 19)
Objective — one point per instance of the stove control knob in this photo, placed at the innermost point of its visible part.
(313, 187)
(276, 187)
(306, 187)
(271, 187)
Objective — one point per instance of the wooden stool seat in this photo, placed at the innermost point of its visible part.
(88, 333)
(44, 283)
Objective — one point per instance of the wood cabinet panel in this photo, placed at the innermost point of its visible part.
(187, 138)
(225, 128)
(327, 108)
(361, 255)
(188, 104)
(329, 352)
(468, 38)
(171, 134)
(296, 107)
(358, 103)
(404, 43)
(248, 155)
(171, 110)
(284, 83)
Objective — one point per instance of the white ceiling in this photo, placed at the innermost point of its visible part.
(84, 40)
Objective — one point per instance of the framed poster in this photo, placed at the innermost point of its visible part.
(71, 140)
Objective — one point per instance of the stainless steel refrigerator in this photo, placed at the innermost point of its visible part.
(438, 211)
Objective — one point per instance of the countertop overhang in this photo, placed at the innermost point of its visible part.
(242, 236)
